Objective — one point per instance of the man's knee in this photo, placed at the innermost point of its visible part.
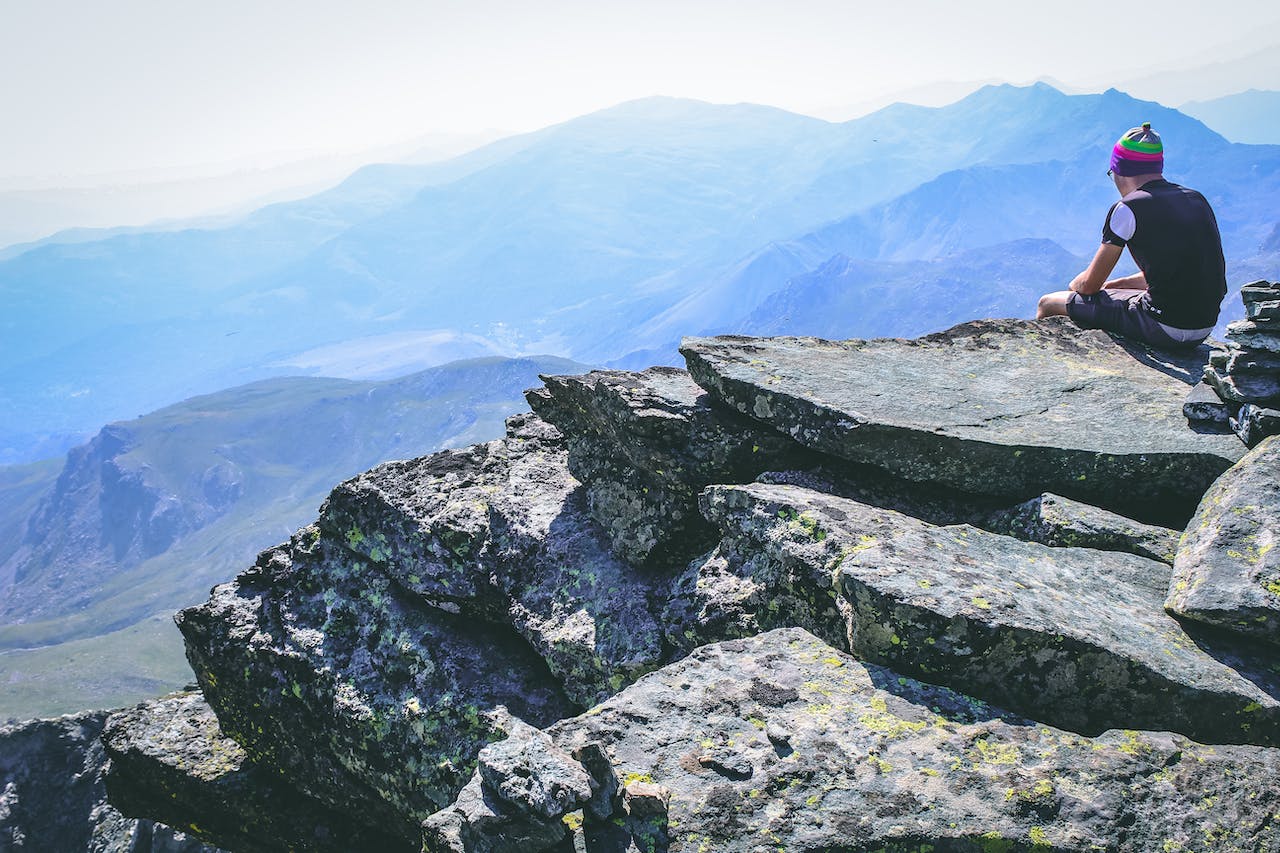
(1053, 304)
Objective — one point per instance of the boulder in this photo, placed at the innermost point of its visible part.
(1244, 386)
(501, 532)
(645, 444)
(1075, 637)
(169, 757)
(1054, 520)
(517, 800)
(1227, 571)
(999, 407)
(874, 760)
(319, 664)
(52, 796)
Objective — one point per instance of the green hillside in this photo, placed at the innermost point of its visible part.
(149, 515)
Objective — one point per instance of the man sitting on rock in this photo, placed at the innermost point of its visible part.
(1173, 238)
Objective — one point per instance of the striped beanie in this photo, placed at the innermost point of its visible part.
(1138, 152)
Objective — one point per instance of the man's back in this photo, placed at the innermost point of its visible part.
(1175, 242)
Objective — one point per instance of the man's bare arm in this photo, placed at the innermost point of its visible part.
(1137, 281)
(1095, 275)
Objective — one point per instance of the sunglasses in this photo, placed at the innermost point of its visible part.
(1110, 172)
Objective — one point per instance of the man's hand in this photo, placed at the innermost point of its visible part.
(1095, 275)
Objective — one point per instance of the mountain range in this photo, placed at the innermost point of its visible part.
(97, 552)
(602, 239)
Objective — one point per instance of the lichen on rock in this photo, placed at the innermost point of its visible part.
(1227, 571)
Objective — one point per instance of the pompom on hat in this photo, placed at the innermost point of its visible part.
(1138, 152)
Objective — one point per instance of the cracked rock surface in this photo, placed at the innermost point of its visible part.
(550, 642)
(1072, 636)
(1006, 407)
(875, 761)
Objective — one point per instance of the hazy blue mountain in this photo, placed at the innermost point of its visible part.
(1212, 79)
(150, 513)
(960, 212)
(598, 237)
(858, 298)
(1252, 116)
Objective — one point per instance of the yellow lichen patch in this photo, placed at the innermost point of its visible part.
(881, 721)
(1132, 745)
(986, 751)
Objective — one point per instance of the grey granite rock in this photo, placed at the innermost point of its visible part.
(1254, 423)
(322, 666)
(169, 757)
(1072, 636)
(1241, 361)
(1254, 335)
(531, 773)
(1227, 572)
(523, 789)
(645, 444)
(1004, 407)
(1054, 520)
(501, 532)
(1259, 291)
(1263, 310)
(1204, 406)
(52, 796)
(1245, 387)
(480, 821)
(878, 761)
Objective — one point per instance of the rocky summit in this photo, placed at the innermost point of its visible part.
(898, 595)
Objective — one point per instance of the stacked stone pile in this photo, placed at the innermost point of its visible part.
(1246, 375)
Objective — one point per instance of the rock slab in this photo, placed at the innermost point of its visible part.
(1227, 571)
(1072, 636)
(1005, 407)
(836, 754)
(1054, 520)
(645, 444)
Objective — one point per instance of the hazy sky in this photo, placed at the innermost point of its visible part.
(91, 86)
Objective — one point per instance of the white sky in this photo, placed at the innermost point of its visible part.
(91, 87)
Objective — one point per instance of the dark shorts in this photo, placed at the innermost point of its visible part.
(1129, 317)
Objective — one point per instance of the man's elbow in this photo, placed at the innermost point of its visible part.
(1086, 286)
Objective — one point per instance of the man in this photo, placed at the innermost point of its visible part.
(1173, 238)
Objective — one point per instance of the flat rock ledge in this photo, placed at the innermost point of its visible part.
(780, 742)
(1227, 571)
(1005, 407)
(1072, 636)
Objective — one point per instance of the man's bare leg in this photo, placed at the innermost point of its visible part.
(1053, 304)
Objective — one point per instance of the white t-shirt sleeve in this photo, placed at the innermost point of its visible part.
(1120, 225)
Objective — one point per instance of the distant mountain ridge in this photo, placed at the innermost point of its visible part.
(1252, 117)
(151, 512)
(591, 239)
